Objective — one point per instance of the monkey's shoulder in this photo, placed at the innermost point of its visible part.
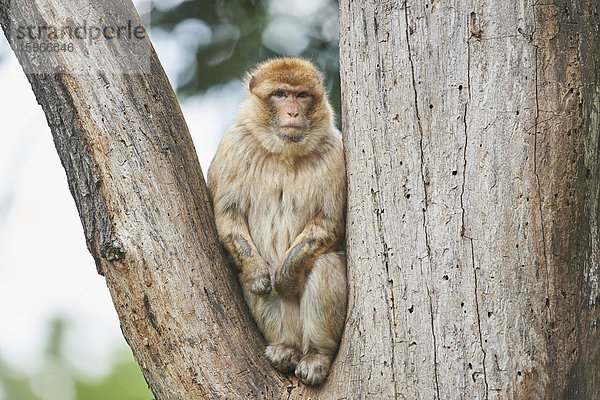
(329, 157)
(231, 155)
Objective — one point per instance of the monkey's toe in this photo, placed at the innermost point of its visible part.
(283, 358)
(313, 368)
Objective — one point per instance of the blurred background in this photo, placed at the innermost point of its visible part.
(59, 333)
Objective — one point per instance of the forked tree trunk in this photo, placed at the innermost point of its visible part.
(471, 134)
(472, 141)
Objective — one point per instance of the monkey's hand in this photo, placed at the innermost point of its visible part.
(296, 260)
(320, 234)
(287, 283)
(257, 278)
(255, 270)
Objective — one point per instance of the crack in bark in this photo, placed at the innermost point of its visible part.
(392, 317)
(427, 245)
(535, 170)
(412, 70)
(479, 321)
(437, 384)
(462, 190)
(385, 255)
(463, 214)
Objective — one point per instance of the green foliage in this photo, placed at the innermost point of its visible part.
(13, 385)
(125, 382)
(240, 35)
(56, 379)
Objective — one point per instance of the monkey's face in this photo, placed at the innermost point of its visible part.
(290, 107)
(287, 110)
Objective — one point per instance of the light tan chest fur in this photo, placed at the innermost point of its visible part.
(281, 203)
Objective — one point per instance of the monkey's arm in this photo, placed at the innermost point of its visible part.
(230, 201)
(235, 236)
(319, 235)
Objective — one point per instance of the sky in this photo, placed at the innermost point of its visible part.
(45, 267)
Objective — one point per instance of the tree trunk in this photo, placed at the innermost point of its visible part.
(471, 132)
(472, 144)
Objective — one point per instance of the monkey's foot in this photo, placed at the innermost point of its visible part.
(259, 281)
(313, 368)
(284, 358)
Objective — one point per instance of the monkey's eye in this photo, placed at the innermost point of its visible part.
(279, 93)
(303, 94)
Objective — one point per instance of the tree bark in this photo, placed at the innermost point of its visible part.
(471, 132)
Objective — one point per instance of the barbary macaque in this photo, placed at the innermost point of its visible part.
(278, 185)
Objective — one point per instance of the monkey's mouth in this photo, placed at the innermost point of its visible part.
(291, 133)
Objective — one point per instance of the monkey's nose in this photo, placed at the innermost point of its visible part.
(293, 115)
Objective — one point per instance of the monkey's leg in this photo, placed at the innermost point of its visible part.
(285, 339)
(278, 320)
(322, 312)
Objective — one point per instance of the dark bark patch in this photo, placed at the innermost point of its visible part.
(151, 316)
(112, 252)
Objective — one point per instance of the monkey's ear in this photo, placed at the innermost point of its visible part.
(252, 83)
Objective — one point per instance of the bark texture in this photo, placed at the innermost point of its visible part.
(472, 142)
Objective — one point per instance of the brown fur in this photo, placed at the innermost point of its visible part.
(279, 195)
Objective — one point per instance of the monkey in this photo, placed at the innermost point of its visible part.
(278, 186)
